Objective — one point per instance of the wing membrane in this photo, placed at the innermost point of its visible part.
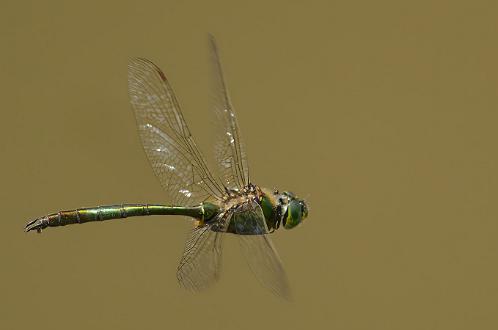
(229, 151)
(200, 265)
(265, 263)
(166, 138)
(258, 250)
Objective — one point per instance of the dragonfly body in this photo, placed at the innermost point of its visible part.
(202, 212)
(271, 204)
(224, 203)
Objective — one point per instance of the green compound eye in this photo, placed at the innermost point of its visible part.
(296, 213)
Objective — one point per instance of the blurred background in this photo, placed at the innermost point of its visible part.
(382, 114)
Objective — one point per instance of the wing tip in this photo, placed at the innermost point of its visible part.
(141, 64)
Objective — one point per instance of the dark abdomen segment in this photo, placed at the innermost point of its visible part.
(109, 212)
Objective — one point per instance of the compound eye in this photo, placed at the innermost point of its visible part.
(304, 209)
(294, 215)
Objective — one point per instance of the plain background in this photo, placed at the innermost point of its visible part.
(382, 114)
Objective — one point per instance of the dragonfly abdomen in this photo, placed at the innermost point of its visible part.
(110, 212)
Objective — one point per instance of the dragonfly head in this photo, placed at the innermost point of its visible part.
(295, 210)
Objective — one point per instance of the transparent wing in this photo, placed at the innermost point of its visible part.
(258, 250)
(248, 219)
(201, 261)
(229, 151)
(166, 138)
(264, 262)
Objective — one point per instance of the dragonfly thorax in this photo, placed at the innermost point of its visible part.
(235, 198)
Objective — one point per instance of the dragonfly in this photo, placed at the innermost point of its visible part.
(219, 203)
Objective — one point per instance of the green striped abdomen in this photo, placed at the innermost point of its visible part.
(204, 211)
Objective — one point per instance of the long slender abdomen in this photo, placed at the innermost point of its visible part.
(101, 213)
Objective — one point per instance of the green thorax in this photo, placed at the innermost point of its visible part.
(270, 207)
(237, 206)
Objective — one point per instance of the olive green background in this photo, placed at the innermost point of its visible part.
(382, 114)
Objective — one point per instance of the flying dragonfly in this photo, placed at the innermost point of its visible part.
(226, 203)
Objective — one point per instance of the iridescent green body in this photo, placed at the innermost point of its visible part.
(203, 212)
(227, 202)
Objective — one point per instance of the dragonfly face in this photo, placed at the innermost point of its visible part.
(293, 209)
(290, 210)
